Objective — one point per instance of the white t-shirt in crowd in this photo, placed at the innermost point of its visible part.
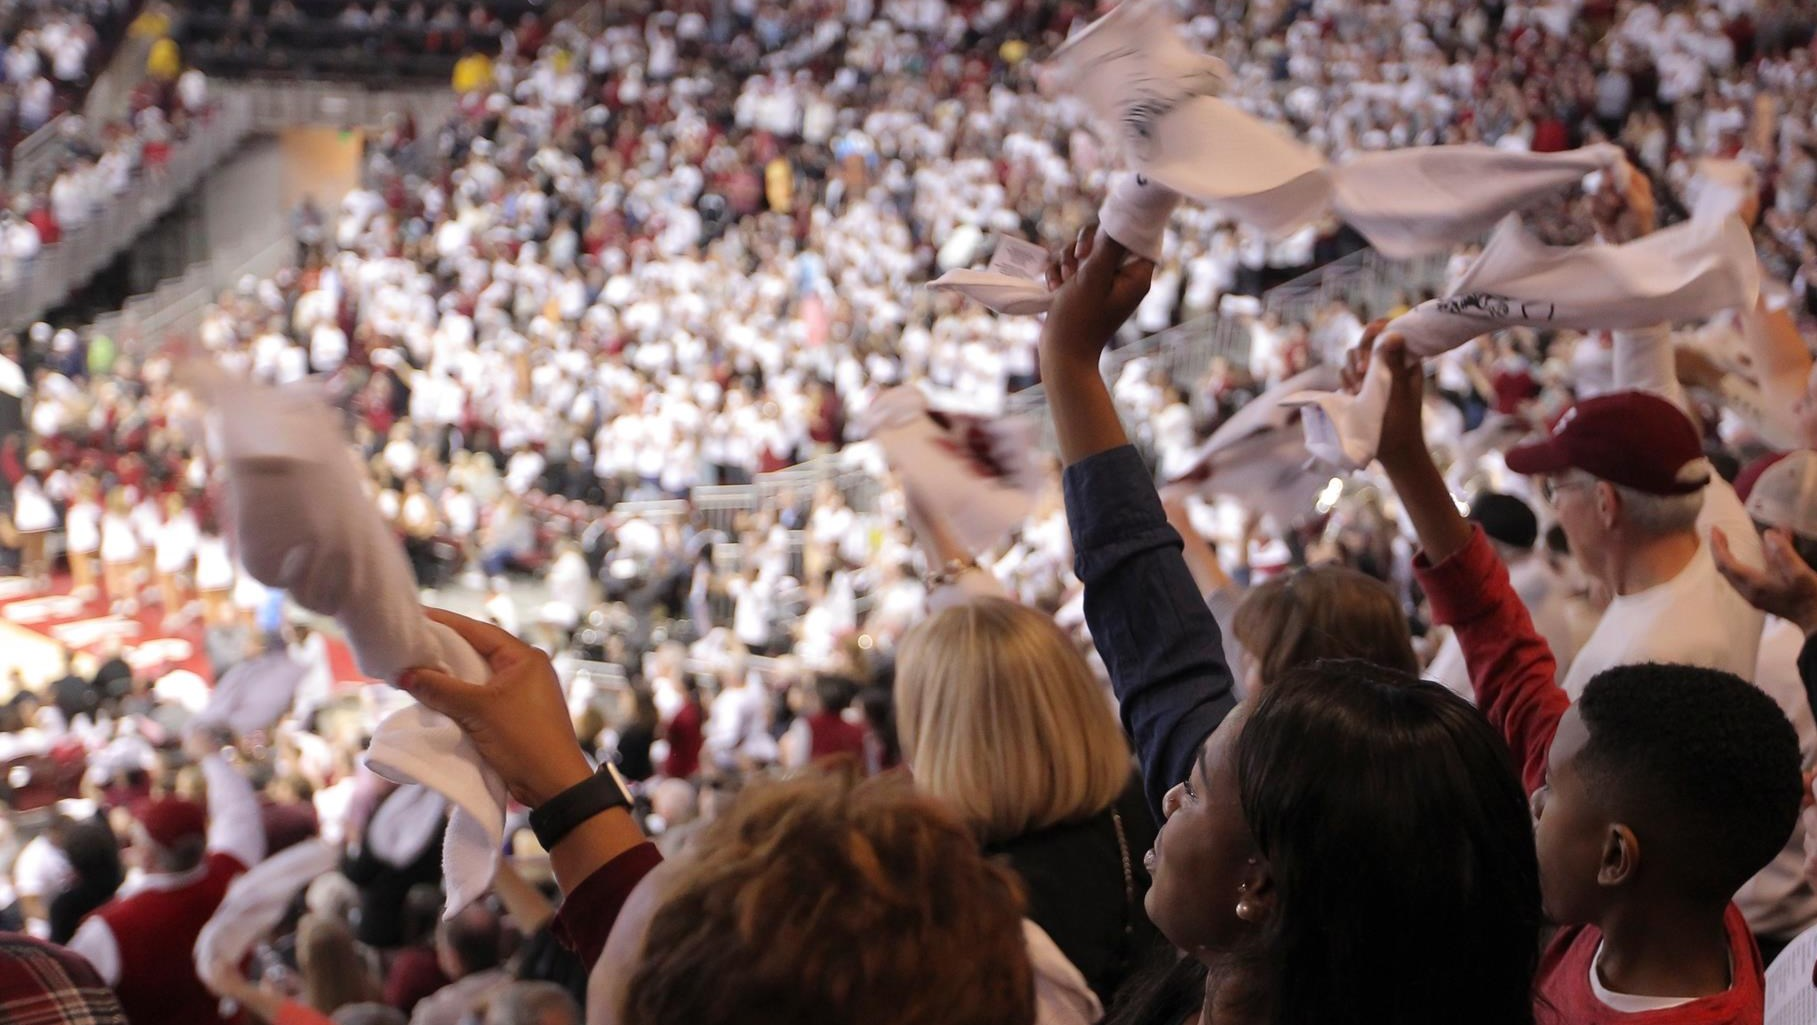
(1779, 901)
(1548, 601)
(1695, 618)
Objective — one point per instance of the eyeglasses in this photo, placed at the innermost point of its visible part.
(1549, 487)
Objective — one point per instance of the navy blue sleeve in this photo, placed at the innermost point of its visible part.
(1150, 624)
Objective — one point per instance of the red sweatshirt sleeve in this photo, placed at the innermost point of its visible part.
(294, 1012)
(1511, 669)
(10, 465)
(587, 914)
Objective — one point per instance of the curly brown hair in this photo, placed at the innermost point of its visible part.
(842, 902)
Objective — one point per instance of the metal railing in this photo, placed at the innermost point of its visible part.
(178, 304)
(38, 154)
(35, 286)
(278, 105)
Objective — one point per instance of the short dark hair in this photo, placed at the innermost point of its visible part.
(422, 910)
(93, 852)
(835, 692)
(1701, 764)
(475, 937)
(1506, 519)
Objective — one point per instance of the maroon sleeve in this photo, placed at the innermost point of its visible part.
(587, 914)
(10, 465)
(1511, 668)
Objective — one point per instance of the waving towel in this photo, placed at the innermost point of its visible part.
(255, 903)
(1428, 199)
(1135, 213)
(254, 694)
(1158, 102)
(982, 470)
(1259, 454)
(302, 523)
(1685, 272)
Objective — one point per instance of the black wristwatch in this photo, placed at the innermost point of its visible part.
(559, 815)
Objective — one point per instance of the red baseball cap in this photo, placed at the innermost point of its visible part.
(1632, 438)
(170, 820)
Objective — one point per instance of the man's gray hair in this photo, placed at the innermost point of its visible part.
(1658, 515)
(533, 1003)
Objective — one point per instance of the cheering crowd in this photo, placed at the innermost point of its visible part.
(689, 251)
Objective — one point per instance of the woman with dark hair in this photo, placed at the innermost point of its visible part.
(1348, 844)
(94, 856)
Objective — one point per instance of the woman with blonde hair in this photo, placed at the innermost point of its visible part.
(1001, 718)
(334, 968)
(334, 973)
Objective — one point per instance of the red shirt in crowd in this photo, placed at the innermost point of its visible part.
(1515, 679)
(414, 975)
(832, 737)
(685, 738)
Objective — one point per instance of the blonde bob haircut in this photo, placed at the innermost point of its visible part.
(1002, 720)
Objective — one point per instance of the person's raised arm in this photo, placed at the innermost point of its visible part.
(1511, 668)
(518, 721)
(1785, 587)
(526, 905)
(1159, 642)
(1442, 531)
(236, 827)
(1644, 359)
(1097, 285)
(1201, 558)
(953, 574)
(1782, 364)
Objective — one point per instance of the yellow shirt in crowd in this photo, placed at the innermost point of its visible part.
(472, 72)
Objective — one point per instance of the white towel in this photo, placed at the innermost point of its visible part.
(302, 523)
(982, 471)
(1130, 68)
(1427, 199)
(1017, 297)
(1240, 166)
(1720, 187)
(1259, 454)
(403, 825)
(1158, 101)
(1685, 272)
(1135, 214)
(254, 694)
(254, 905)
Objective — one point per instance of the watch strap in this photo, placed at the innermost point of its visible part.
(561, 814)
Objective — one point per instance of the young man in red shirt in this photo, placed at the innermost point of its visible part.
(1657, 795)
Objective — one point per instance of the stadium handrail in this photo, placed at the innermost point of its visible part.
(58, 270)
